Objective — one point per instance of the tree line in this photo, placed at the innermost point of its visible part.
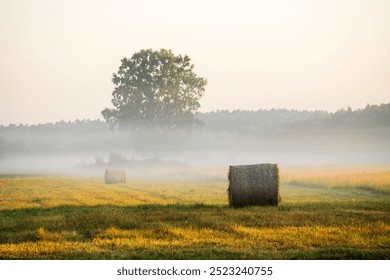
(372, 116)
(220, 130)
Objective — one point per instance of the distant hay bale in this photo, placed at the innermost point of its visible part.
(251, 185)
(112, 176)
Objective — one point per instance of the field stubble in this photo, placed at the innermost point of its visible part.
(324, 214)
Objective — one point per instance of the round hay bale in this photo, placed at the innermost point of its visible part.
(112, 176)
(251, 185)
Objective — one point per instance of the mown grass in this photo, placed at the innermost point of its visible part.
(374, 180)
(82, 218)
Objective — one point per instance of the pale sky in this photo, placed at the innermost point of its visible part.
(57, 57)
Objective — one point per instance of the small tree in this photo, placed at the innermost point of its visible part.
(155, 89)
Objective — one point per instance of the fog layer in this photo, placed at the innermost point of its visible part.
(224, 138)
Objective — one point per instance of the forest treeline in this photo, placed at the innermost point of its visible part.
(370, 116)
(219, 129)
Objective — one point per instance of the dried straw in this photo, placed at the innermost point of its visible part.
(112, 176)
(251, 185)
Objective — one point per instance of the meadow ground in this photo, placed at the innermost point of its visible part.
(325, 213)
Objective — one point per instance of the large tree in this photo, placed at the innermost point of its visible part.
(155, 89)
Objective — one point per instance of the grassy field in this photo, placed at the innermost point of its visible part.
(325, 213)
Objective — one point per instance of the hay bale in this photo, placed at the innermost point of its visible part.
(112, 176)
(256, 184)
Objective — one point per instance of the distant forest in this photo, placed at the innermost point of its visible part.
(264, 131)
(370, 116)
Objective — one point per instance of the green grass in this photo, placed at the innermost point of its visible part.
(82, 218)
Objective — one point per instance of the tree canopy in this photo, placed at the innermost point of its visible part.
(155, 89)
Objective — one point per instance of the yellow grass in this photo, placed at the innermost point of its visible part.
(373, 178)
(46, 192)
(325, 213)
(283, 238)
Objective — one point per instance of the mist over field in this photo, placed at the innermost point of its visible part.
(286, 137)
